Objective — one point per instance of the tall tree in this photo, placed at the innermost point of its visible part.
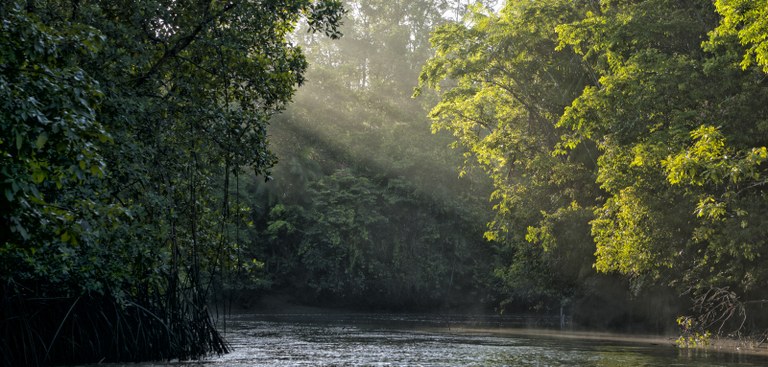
(681, 160)
(122, 124)
(612, 123)
(503, 86)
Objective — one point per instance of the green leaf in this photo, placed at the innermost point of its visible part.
(41, 140)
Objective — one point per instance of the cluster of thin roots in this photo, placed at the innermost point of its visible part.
(720, 310)
(93, 329)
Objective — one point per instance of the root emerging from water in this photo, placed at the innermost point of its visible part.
(88, 329)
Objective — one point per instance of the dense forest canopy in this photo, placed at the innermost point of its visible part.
(632, 129)
(606, 159)
(366, 209)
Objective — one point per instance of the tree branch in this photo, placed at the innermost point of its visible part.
(184, 41)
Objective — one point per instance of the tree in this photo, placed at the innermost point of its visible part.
(123, 125)
(377, 214)
(680, 160)
(747, 21)
(503, 86)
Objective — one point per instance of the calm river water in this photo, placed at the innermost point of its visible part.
(388, 340)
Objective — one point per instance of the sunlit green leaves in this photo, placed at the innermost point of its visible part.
(711, 160)
(746, 20)
(681, 135)
(504, 84)
(672, 102)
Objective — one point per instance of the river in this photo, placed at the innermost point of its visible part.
(413, 340)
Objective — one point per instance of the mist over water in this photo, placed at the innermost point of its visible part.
(417, 340)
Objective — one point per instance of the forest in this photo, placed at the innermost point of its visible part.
(165, 161)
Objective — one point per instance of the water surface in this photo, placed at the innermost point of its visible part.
(388, 340)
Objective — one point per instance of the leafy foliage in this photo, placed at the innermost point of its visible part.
(654, 96)
(611, 108)
(366, 209)
(747, 21)
(503, 86)
(123, 125)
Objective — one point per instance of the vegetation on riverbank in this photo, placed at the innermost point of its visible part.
(123, 127)
(626, 189)
(622, 146)
(634, 131)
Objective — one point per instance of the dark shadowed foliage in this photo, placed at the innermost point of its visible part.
(122, 124)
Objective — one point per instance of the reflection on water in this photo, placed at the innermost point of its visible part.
(322, 340)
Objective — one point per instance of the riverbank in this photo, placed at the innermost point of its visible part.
(717, 345)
